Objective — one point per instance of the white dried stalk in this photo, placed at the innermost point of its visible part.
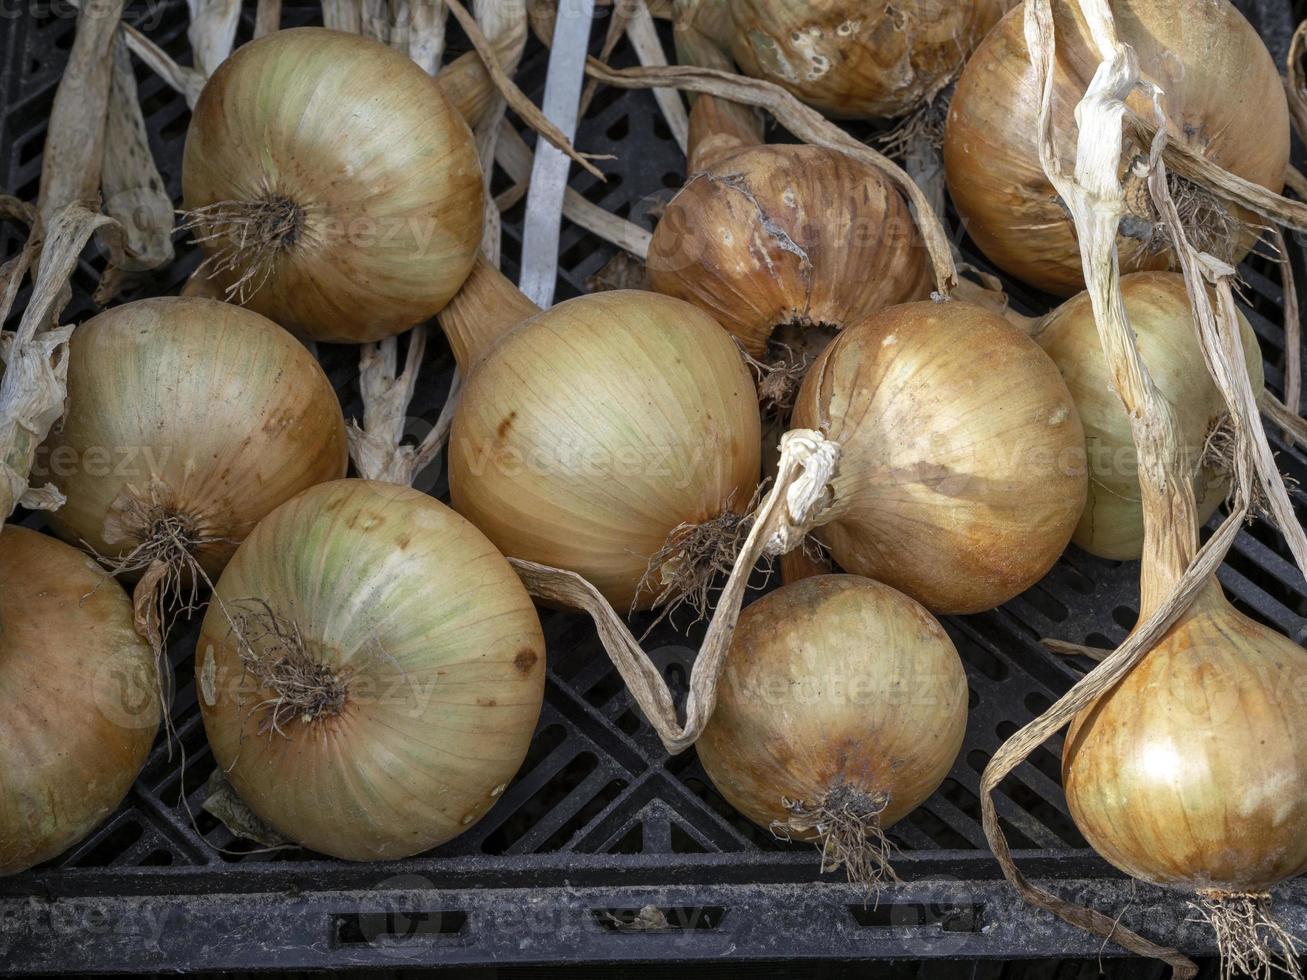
(74, 144)
(1292, 326)
(426, 33)
(212, 32)
(179, 78)
(516, 157)
(267, 17)
(33, 389)
(134, 194)
(342, 15)
(643, 35)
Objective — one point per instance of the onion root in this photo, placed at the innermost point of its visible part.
(846, 825)
(1251, 942)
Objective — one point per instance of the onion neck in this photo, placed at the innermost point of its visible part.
(484, 309)
(467, 84)
(718, 127)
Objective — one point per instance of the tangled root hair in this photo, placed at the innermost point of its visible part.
(846, 824)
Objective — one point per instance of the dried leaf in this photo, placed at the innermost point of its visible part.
(513, 95)
(33, 388)
(212, 32)
(134, 194)
(515, 157)
(620, 272)
(74, 144)
(267, 17)
(221, 800)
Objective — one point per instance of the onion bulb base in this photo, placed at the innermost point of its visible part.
(845, 823)
(243, 240)
(1249, 939)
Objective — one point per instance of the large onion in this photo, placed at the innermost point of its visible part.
(1193, 770)
(79, 706)
(1157, 303)
(595, 435)
(841, 709)
(779, 242)
(188, 420)
(334, 188)
(853, 58)
(1223, 98)
(370, 671)
(962, 473)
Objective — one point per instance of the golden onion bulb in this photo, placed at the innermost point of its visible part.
(962, 475)
(79, 703)
(860, 59)
(333, 187)
(370, 671)
(188, 420)
(1157, 304)
(1223, 98)
(594, 430)
(775, 240)
(1192, 771)
(841, 708)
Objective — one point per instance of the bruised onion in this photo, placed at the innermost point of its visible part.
(1222, 96)
(332, 186)
(783, 246)
(615, 435)
(859, 59)
(370, 671)
(79, 706)
(188, 420)
(961, 476)
(1157, 303)
(842, 707)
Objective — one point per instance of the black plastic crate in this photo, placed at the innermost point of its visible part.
(601, 824)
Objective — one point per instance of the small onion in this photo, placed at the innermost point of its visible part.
(1157, 303)
(188, 420)
(1223, 99)
(370, 671)
(333, 187)
(596, 434)
(779, 241)
(79, 706)
(841, 709)
(962, 475)
(1192, 771)
(860, 59)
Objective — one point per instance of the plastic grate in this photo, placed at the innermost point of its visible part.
(599, 819)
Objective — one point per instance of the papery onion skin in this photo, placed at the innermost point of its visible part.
(1157, 303)
(782, 234)
(1193, 770)
(438, 647)
(210, 409)
(596, 428)
(860, 59)
(79, 706)
(835, 679)
(1223, 99)
(962, 474)
(383, 170)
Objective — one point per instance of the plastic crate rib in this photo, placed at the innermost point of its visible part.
(603, 848)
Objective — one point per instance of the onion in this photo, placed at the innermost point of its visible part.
(842, 708)
(615, 435)
(1192, 771)
(370, 672)
(855, 59)
(1223, 99)
(333, 187)
(1157, 303)
(78, 702)
(188, 420)
(962, 470)
(784, 245)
